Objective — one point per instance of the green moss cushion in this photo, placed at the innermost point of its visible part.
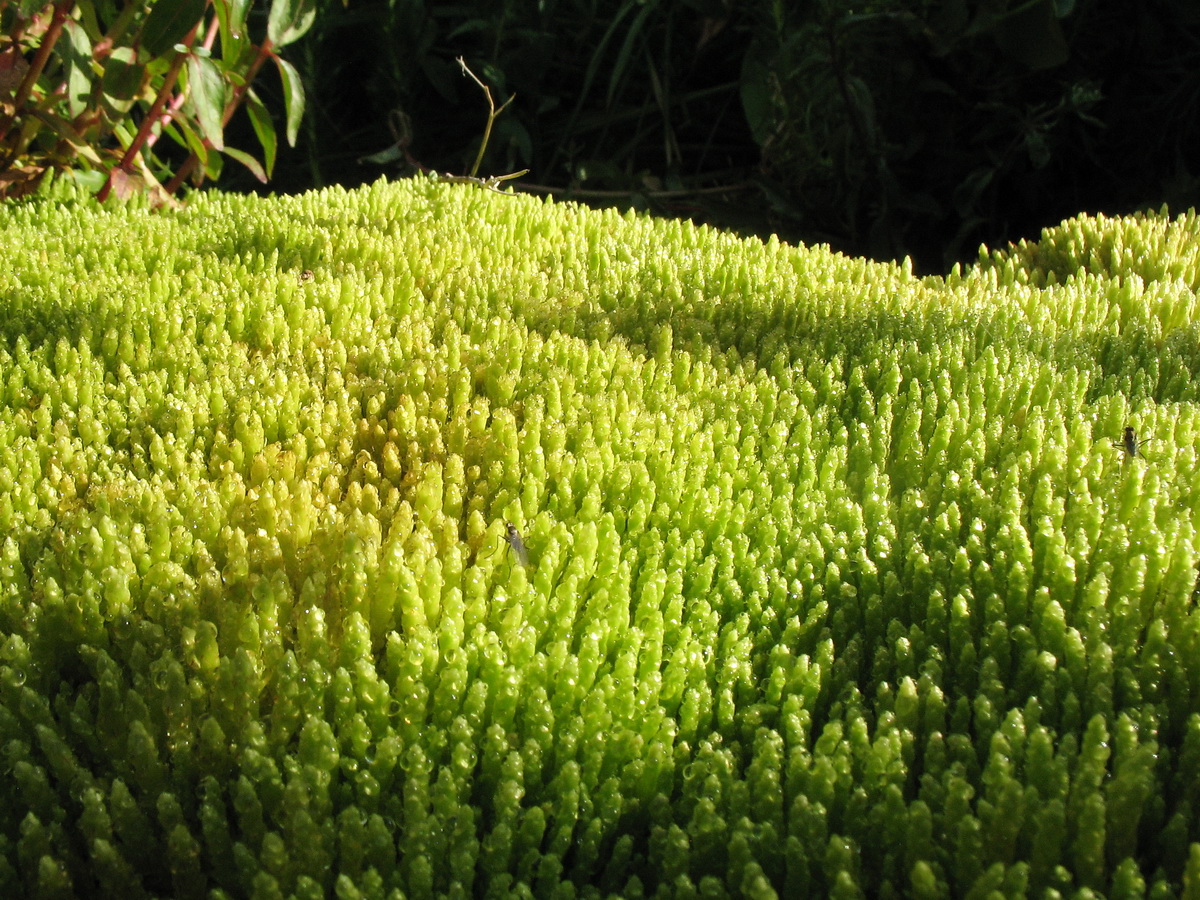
(834, 583)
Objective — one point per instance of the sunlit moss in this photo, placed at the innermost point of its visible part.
(835, 582)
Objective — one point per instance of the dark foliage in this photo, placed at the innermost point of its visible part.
(886, 127)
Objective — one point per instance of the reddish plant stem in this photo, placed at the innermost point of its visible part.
(265, 52)
(181, 174)
(62, 9)
(239, 92)
(179, 99)
(148, 123)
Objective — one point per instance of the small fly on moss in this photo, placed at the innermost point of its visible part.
(1131, 444)
(517, 543)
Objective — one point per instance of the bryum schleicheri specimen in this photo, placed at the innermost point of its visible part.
(838, 587)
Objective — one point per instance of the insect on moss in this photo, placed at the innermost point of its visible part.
(1131, 444)
(517, 544)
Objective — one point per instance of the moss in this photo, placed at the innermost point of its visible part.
(835, 581)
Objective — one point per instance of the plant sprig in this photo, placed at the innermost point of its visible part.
(107, 81)
(491, 182)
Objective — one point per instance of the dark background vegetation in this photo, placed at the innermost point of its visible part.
(883, 127)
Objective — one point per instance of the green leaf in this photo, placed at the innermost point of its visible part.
(231, 16)
(443, 75)
(88, 21)
(264, 128)
(289, 20)
(627, 48)
(207, 89)
(216, 164)
(494, 76)
(66, 131)
(183, 133)
(756, 95)
(79, 69)
(1033, 37)
(293, 97)
(90, 179)
(967, 194)
(471, 26)
(861, 103)
(512, 132)
(157, 66)
(383, 157)
(249, 162)
(598, 55)
(169, 23)
(122, 80)
(187, 137)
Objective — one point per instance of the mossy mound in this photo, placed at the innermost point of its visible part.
(837, 584)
